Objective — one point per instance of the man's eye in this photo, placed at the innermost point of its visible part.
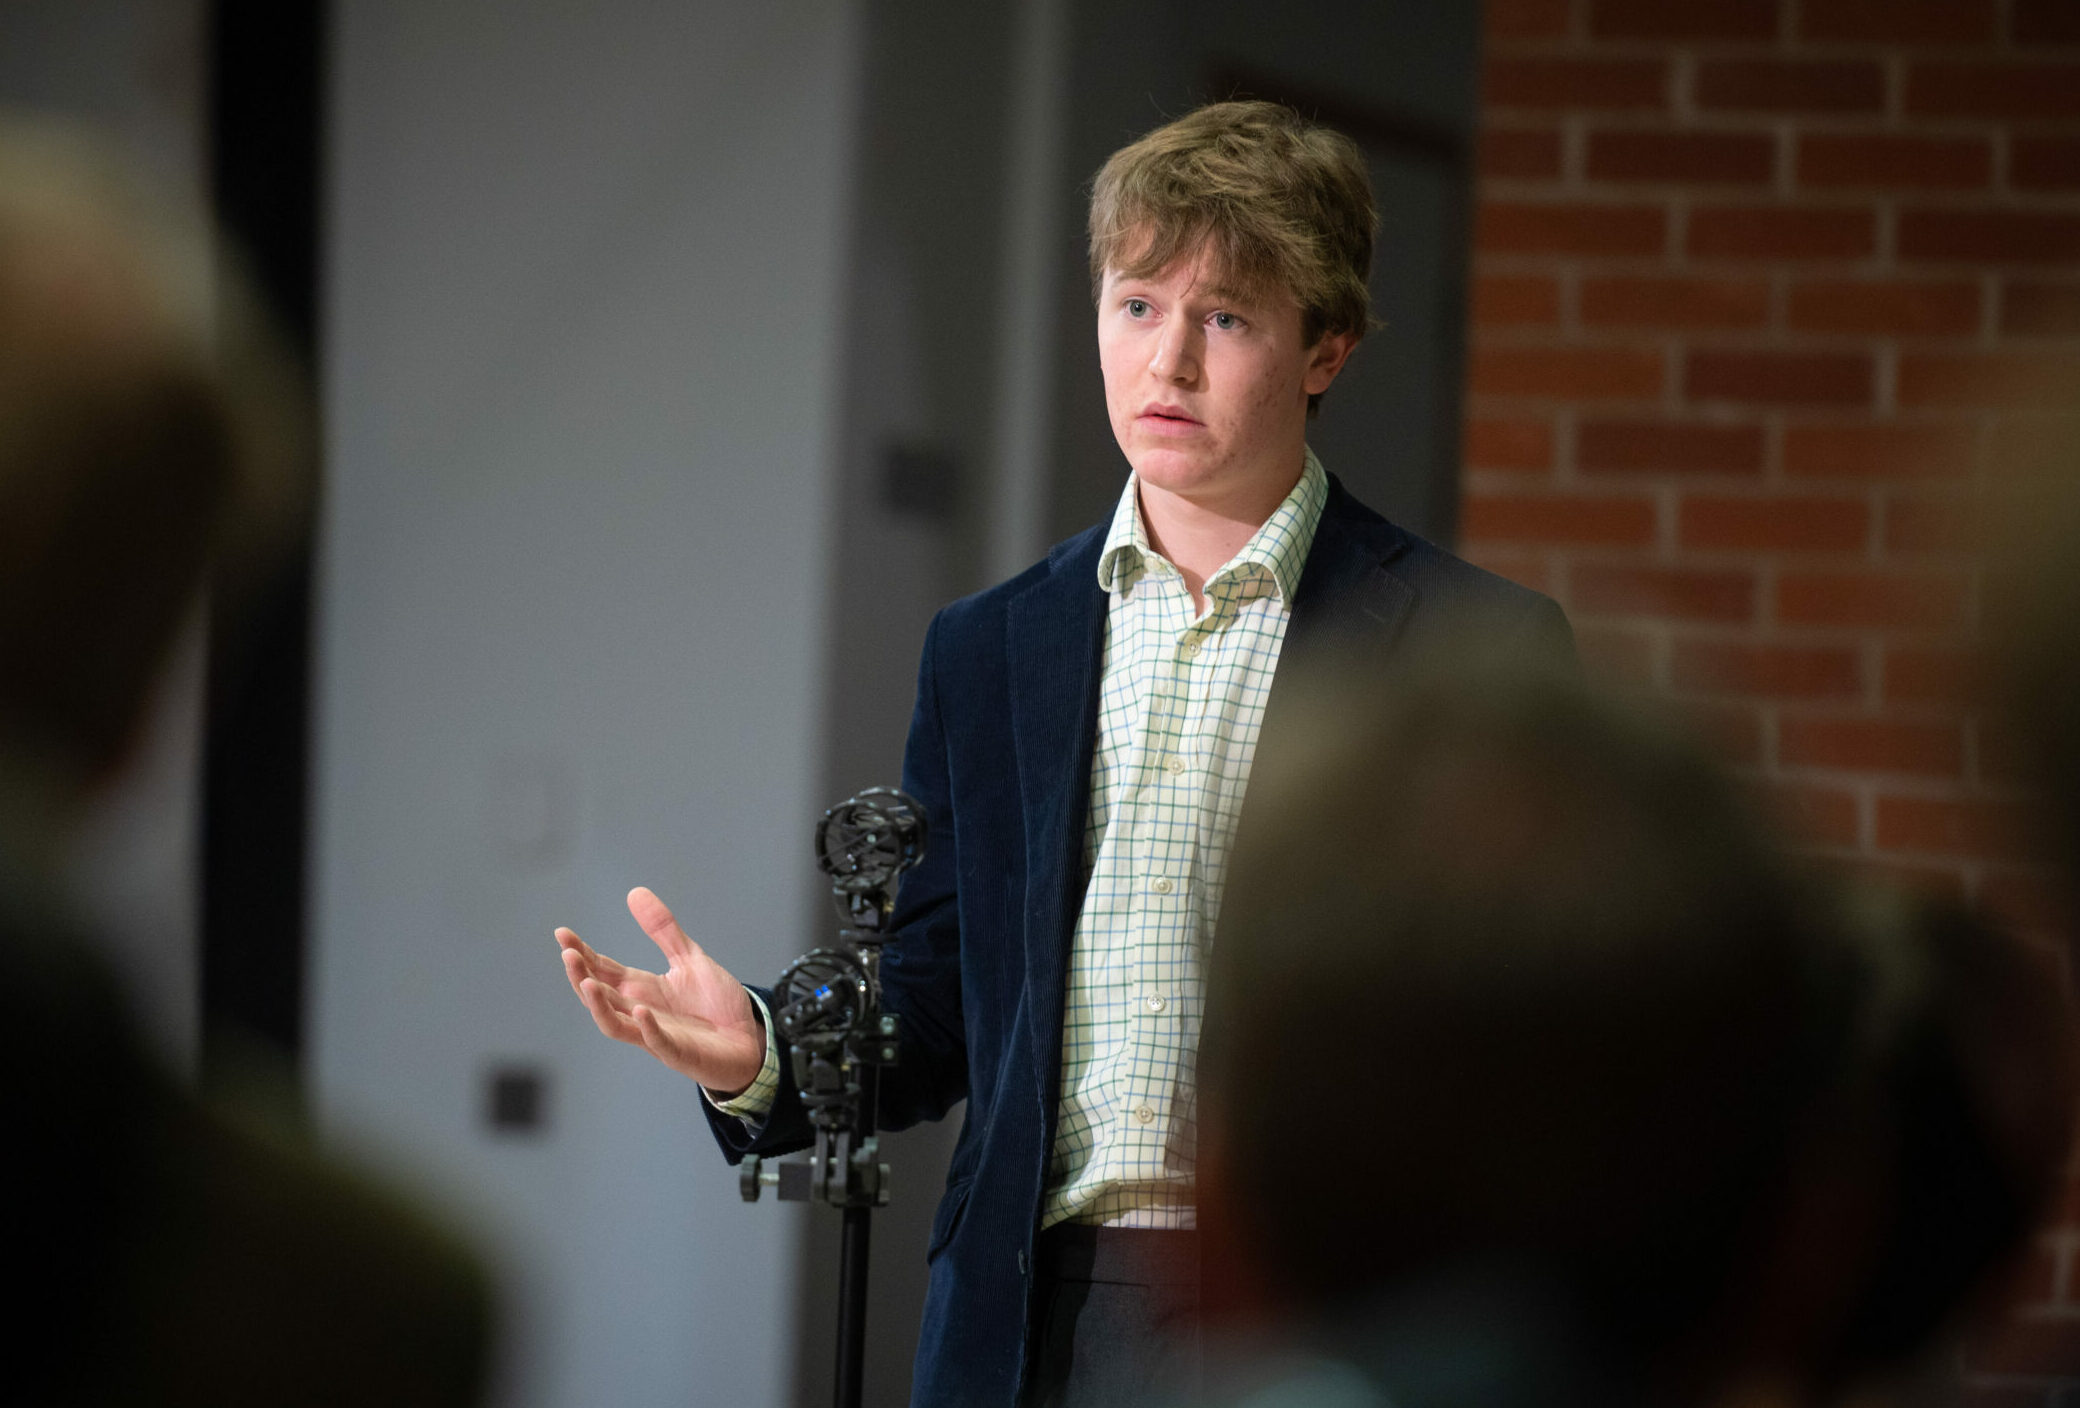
(1137, 307)
(1226, 322)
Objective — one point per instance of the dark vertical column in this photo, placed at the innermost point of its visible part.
(266, 101)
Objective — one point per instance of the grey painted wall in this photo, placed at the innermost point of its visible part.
(583, 345)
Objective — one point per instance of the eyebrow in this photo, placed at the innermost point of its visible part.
(1218, 293)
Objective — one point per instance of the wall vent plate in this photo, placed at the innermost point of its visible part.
(516, 1099)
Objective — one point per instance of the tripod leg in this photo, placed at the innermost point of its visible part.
(852, 1305)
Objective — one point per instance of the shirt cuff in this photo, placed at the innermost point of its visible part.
(756, 1102)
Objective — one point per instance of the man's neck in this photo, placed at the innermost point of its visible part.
(1199, 537)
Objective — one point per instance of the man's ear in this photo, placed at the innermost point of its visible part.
(1327, 359)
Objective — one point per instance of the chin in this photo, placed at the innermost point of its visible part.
(1179, 474)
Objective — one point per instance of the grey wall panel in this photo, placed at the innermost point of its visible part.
(584, 326)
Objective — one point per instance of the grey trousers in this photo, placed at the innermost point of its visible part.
(1115, 1318)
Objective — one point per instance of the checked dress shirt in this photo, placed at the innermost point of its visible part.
(1181, 702)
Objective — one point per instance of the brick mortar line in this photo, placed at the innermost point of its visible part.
(1797, 50)
(1805, 417)
(1810, 637)
(1664, 548)
(1717, 560)
(1885, 378)
(1735, 122)
(1726, 266)
(1822, 774)
(1617, 336)
(1628, 192)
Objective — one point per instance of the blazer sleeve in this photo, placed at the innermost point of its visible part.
(920, 965)
(921, 979)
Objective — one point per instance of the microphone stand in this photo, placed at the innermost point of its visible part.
(828, 1006)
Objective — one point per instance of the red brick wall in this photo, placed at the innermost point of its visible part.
(1767, 295)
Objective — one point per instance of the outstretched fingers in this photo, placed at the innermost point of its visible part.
(657, 921)
(610, 1011)
(580, 961)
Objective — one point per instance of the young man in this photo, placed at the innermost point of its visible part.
(1081, 743)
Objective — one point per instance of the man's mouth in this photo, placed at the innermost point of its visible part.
(1174, 414)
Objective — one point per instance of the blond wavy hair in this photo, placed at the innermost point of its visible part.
(1282, 203)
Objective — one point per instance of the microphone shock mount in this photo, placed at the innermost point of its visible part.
(827, 1005)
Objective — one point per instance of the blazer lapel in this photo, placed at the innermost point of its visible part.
(1346, 587)
(1055, 636)
(1347, 598)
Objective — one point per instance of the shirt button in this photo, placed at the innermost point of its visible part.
(1191, 648)
(1144, 1114)
(1155, 1004)
(1162, 886)
(1174, 766)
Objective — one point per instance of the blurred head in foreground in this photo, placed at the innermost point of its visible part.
(151, 443)
(1514, 1008)
(148, 432)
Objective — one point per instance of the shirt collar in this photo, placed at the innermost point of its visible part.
(1280, 546)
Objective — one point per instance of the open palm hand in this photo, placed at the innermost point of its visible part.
(694, 1016)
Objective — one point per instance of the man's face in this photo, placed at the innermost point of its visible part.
(1207, 390)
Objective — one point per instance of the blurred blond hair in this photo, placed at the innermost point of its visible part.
(154, 436)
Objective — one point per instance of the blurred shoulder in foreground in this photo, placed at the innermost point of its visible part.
(151, 440)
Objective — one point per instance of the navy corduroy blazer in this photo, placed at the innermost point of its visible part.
(1000, 754)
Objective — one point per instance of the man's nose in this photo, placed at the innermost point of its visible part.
(1176, 356)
